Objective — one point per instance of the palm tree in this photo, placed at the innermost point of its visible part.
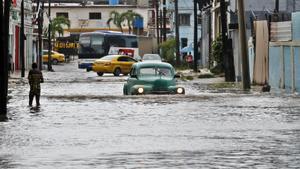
(57, 26)
(130, 16)
(116, 18)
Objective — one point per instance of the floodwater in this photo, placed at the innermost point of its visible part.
(85, 122)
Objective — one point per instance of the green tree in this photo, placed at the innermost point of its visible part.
(117, 19)
(130, 17)
(216, 55)
(57, 26)
(168, 50)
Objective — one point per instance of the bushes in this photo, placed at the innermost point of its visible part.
(168, 50)
(216, 56)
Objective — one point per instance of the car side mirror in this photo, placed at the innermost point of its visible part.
(177, 76)
(133, 76)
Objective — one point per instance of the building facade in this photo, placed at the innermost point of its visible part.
(186, 25)
(254, 10)
(91, 17)
(14, 34)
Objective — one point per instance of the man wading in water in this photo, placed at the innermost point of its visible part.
(35, 77)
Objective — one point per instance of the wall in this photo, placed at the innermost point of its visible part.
(147, 45)
(284, 61)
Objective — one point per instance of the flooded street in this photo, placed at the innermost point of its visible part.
(85, 122)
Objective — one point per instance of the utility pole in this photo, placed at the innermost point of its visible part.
(164, 21)
(49, 39)
(161, 25)
(195, 37)
(157, 24)
(22, 39)
(227, 58)
(242, 35)
(177, 33)
(40, 30)
(277, 6)
(4, 18)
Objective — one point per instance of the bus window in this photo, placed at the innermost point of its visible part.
(96, 44)
(84, 42)
(131, 42)
(116, 41)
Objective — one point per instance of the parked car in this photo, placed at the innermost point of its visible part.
(55, 57)
(151, 57)
(116, 64)
(152, 78)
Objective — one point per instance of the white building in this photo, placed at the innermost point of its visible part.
(186, 23)
(92, 17)
(14, 34)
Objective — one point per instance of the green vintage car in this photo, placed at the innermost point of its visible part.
(152, 78)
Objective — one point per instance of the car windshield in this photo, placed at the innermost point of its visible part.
(151, 57)
(108, 57)
(155, 71)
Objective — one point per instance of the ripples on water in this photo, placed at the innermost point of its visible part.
(91, 125)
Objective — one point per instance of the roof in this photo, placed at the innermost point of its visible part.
(152, 64)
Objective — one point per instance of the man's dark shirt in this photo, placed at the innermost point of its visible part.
(35, 77)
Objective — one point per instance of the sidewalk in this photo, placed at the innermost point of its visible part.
(213, 82)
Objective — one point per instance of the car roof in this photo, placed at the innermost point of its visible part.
(152, 64)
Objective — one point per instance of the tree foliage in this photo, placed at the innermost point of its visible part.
(168, 50)
(118, 19)
(57, 26)
(216, 55)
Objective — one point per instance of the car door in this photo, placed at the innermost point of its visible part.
(129, 62)
(126, 63)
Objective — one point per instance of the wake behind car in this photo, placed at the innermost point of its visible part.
(116, 64)
(152, 78)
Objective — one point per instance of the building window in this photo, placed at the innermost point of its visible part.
(95, 15)
(184, 42)
(184, 19)
(64, 14)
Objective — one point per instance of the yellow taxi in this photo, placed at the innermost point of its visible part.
(55, 57)
(116, 64)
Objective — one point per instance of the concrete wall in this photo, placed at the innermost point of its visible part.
(147, 45)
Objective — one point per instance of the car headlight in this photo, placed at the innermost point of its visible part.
(180, 90)
(140, 90)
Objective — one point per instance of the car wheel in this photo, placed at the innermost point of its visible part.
(55, 61)
(100, 73)
(117, 72)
